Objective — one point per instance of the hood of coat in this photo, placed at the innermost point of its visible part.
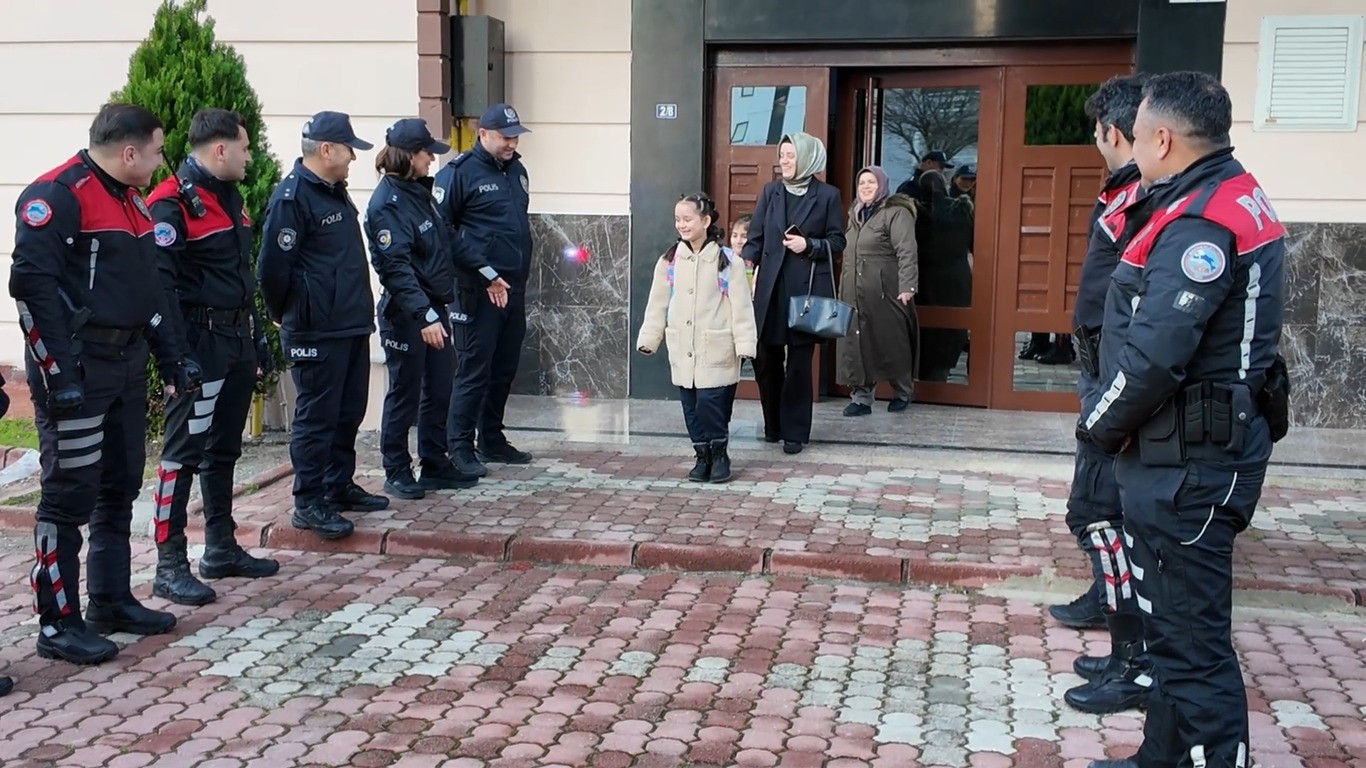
(897, 199)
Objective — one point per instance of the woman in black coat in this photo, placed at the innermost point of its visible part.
(797, 219)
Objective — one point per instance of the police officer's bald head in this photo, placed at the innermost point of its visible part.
(1184, 116)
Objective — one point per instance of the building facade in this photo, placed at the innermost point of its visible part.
(634, 103)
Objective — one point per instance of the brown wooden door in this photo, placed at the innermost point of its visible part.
(1051, 174)
(752, 107)
(895, 119)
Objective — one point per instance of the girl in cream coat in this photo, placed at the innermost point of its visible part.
(700, 307)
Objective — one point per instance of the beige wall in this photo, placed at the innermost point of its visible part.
(1308, 176)
(569, 75)
(302, 56)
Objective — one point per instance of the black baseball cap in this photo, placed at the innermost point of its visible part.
(968, 172)
(411, 134)
(939, 157)
(503, 119)
(334, 127)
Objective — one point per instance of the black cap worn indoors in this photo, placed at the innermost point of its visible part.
(503, 119)
(938, 157)
(411, 133)
(334, 127)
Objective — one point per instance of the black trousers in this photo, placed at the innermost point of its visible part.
(420, 378)
(1095, 515)
(1179, 528)
(204, 435)
(333, 385)
(784, 378)
(487, 350)
(92, 460)
(707, 412)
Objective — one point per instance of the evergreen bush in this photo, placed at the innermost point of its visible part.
(178, 70)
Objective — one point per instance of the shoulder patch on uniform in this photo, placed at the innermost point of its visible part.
(439, 193)
(286, 239)
(141, 205)
(384, 238)
(164, 234)
(1189, 303)
(526, 185)
(1117, 202)
(1204, 262)
(37, 212)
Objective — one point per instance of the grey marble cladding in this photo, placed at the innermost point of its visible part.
(1325, 324)
(578, 320)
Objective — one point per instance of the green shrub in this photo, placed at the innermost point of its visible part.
(178, 70)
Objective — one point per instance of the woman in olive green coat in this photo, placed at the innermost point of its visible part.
(879, 279)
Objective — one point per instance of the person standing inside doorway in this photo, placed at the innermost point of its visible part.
(485, 195)
(204, 238)
(410, 247)
(798, 222)
(315, 280)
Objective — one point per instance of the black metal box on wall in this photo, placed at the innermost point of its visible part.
(477, 64)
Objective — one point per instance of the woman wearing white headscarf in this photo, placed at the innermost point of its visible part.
(797, 219)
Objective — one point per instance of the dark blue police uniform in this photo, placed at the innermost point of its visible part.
(485, 199)
(410, 248)
(89, 298)
(1192, 327)
(316, 283)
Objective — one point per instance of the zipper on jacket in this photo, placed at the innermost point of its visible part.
(94, 258)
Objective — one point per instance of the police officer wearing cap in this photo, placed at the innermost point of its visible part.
(484, 194)
(89, 299)
(1193, 396)
(316, 284)
(411, 248)
(1094, 514)
(205, 240)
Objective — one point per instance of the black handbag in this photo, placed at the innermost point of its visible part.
(827, 318)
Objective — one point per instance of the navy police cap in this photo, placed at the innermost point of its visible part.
(334, 127)
(503, 119)
(411, 133)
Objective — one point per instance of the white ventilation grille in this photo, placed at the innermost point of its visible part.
(1309, 73)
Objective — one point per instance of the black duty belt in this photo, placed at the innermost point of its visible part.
(114, 337)
(213, 316)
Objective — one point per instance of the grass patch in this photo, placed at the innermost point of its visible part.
(24, 499)
(19, 433)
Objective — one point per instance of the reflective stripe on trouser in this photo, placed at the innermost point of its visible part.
(1180, 524)
(92, 459)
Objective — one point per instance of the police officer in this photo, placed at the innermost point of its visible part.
(316, 283)
(411, 250)
(85, 281)
(1190, 374)
(205, 238)
(1094, 513)
(484, 194)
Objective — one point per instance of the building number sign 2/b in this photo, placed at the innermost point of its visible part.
(666, 111)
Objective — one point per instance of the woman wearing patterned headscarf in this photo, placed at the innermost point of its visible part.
(880, 277)
(797, 219)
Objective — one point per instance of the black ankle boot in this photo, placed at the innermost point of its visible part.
(1082, 613)
(1090, 668)
(1126, 680)
(107, 616)
(226, 561)
(701, 471)
(71, 640)
(174, 581)
(720, 461)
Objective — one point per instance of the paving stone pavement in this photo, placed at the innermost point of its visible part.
(875, 523)
(371, 660)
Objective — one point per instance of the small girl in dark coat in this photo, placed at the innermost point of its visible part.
(797, 219)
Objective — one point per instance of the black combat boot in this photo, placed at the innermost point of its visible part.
(1062, 352)
(720, 461)
(701, 471)
(6, 685)
(1126, 680)
(56, 581)
(1090, 668)
(174, 581)
(323, 520)
(107, 615)
(401, 484)
(1082, 613)
(356, 499)
(466, 465)
(71, 640)
(503, 453)
(446, 477)
(223, 557)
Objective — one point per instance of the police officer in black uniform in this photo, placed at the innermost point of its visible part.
(316, 283)
(1193, 397)
(484, 195)
(205, 238)
(89, 299)
(411, 250)
(1094, 513)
